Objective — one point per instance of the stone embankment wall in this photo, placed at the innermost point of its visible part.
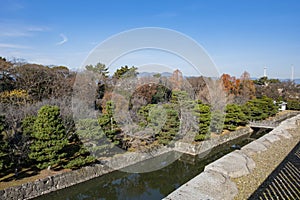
(205, 146)
(53, 183)
(215, 181)
(67, 179)
(59, 181)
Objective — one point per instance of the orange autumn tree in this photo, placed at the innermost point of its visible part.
(238, 90)
(231, 84)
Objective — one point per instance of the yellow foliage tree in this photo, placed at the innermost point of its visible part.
(14, 97)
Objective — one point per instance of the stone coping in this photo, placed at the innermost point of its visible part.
(215, 181)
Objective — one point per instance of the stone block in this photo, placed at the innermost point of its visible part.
(234, 164)
(271, 137)
(207, 185)
(254, 147)
(282, 133)
(264, 141)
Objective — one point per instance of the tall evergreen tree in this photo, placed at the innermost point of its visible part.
(4, 158)
(99, 68)
(217, 121)
(202, 112)
(260, 109)
(171, 127)
(126, 72)
(109, 125)
(234, 117)
(49, 138)
(93, 137)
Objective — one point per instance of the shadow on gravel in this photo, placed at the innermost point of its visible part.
(284, 181)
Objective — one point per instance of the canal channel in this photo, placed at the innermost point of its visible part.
(151, 185)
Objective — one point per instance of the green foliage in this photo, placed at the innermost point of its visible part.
(293, 104)
(27, 125)
(202, 112)
(269, 107)
(93, 137)
(125, 72)
(264, 80)
(79, 161)
(78, 156)
(143, 115)
(5, 161)
(171, 125)
(157, 75)
(162, 119)
(2, 123)
(162, 95)
(217, 121)
(234, 117)
(4, 158)
(201, 137)
(49, 138)
(179, 96)
(99, 68)
(261, 81)
(260, 109)
(109, 125)
(253, 111)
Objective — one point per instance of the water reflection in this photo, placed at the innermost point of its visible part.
(150, 185)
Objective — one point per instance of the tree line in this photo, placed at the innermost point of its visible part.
(38, 128)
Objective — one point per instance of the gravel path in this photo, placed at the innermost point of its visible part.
(266, 162)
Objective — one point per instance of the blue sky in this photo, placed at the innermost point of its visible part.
(238, 35)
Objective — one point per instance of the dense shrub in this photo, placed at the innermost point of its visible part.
(203, 115)
(293, 105)
(49, 138)
(234, 117)
(260, 109)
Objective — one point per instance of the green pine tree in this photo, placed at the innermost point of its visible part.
(260, 109)
(93, 137)
(293, 104)
(125, 72)
(99, 68)
(234, 117)
(49, 138)
(109, 125)
(171, 126)
(4, 158)
(217, 121)
(202, 112)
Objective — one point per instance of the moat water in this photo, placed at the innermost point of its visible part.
(151, 185)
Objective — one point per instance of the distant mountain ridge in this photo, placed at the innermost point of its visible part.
(145, 74)
(297, 80)
(168, 74)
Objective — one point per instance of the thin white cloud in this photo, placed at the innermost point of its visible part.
(43, 61)
(64, 40)
(38, 28)
(13, 46)
(11, 28)
(13, 33)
